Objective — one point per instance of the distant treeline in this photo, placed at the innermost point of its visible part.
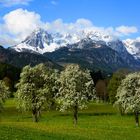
(10, 75)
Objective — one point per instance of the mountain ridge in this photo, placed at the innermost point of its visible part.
(88, 48)
(22, 59)
(41, 41)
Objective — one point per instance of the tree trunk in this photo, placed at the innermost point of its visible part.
(75, 114)
(137, 118)
(39, 113)
(121, 110)
(35, 115)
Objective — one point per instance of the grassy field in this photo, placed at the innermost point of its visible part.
(98, 122)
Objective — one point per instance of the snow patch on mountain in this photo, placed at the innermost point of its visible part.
(133, 47)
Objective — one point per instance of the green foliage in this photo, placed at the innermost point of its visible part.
(35, 88)
(9, 71)
(4, 93)
(10, 75)
(115, 82)
(96, 75)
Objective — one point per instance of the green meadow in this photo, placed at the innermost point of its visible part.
(98, 122)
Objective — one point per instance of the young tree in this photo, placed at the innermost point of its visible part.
(128, 95)
(4, 93)
(76, 88)
(114, 83)
(35, 89)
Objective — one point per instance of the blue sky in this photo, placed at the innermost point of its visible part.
(121, 15)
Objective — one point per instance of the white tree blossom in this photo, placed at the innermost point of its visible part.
(76, 88)
(35, 89)
(128, 94)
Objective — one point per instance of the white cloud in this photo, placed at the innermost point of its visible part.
(126, 30)
(19, 23)
(80, 24)
(59, 26)
(8, 3)
(83, 23)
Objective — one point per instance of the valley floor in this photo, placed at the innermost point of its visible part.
(98, 122)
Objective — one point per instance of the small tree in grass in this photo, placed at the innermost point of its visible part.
(76, 88)
(35, 89)
(115, 82)
(4, 93)
(128, 95)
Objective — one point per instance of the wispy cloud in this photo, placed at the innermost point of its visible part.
(126, 30)
(53, 2)
(9, 3)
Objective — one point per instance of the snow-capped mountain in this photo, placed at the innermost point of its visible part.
(133, 47)
(41, 41)
(88, 48)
